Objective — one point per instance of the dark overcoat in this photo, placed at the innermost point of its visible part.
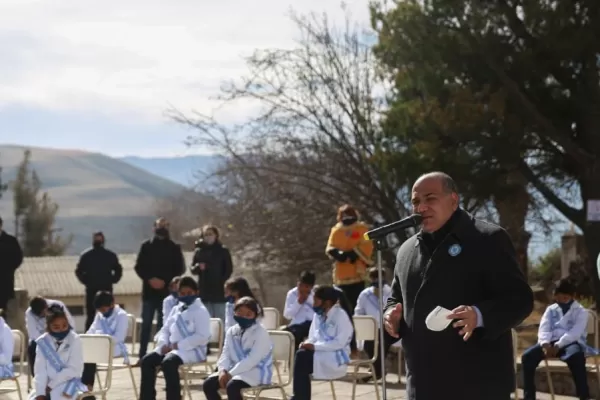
(474, 265)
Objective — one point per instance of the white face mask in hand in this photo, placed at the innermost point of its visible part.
(437, 319)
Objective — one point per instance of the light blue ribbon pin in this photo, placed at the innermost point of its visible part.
(454, 250)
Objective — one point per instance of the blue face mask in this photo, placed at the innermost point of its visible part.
(188, 299)
(60, 335)
(243, 322)
(375, 283)
(230, 299)
(318, 310)
(108, 313)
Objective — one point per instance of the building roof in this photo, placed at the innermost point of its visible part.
(55, 276)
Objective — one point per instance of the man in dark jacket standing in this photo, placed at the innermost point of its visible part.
(212, 263)
(11, 257)
(98, 269)
(468, 267)
(159, 260)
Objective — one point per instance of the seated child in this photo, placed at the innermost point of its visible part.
(563, 334)
(326, 352)
(345, 304)
(298, 308)
(35, 323)
(235, 289)
(170, 301)
(7, 344)
(59, 360)
(246, 360)
(110, 320)
(182, 340)
(368, 304)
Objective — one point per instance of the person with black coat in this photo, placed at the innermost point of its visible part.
(98, 269)
(159, 260)
(11, 258)
(212, 263)
(469, 268)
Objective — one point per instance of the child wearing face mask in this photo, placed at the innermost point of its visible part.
(235, 289)
(110, 320)
(368, 304)
(246, 360)
(6, 350)
(59, 360)
(562, 334)
(182, 340)
(326, 353)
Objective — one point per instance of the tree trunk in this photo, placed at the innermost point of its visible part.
(513, 206)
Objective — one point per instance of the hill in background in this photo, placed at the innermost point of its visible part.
(94, 192)
(188, 170)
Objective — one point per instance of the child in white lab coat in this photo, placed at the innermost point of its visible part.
(7, 345)
(247, 359)
(35, 323)
(59, 360)
(182, 340)
(298, 307)
(110, 320)
(169, 302)
(368, 304)
(235, 289)
(562, 334)
(326, 352)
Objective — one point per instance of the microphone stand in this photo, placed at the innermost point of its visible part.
(380, 245)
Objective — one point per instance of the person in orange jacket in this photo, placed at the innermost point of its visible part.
(350, 252)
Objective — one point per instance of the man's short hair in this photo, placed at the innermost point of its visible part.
(38, 304)
(308, 278)
(103, 299)
(448, 184)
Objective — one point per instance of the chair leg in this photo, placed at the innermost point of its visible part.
(549, 379)
(354, 381)
(332, 390)
(133, 384)
(375, 382)
(283, 393)
(18, 388)
(278, 373)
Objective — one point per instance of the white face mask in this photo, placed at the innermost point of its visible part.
(437, 319)
(210, 239)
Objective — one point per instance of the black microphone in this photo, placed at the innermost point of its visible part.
(383, 231)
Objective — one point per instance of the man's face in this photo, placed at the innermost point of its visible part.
(304, 289)
(98, 240)
(435, 205)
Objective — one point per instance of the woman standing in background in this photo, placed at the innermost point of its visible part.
(350, 252)
(212, 263)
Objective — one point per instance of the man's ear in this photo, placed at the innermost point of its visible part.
(455, 199)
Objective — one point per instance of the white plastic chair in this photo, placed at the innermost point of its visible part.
(98, 349)
(19, 351)
(271, 318)
(132, 331)
(284, 350)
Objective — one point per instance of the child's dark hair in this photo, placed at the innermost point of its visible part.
(564, 286)
(188, 282)
(327, 292)
(38, 304)
(308, 278)
(249, 302)
(55, 312)
(103, 299)
(240, 286)
(374, 274)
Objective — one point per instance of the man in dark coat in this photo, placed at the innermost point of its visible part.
(98, 269)
(11, 257)
(159, 260)
(468, 267)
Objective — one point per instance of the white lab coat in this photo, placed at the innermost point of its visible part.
(331, 336)
(167, 306)
(189, 327)
(368, 302)
(247, 355)
(61, 376)
(295, 312)
(36, 326)
(229, 321)
(564, 329)
(116, 326)
(7, 344)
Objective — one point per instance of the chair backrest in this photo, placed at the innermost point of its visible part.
(365, 328)
(132, 331)
(270, 318)
(216, 333)
(284, 350)
(19, 349)
(98, 349)
(592, 326)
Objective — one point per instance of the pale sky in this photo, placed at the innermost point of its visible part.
(99, 75)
